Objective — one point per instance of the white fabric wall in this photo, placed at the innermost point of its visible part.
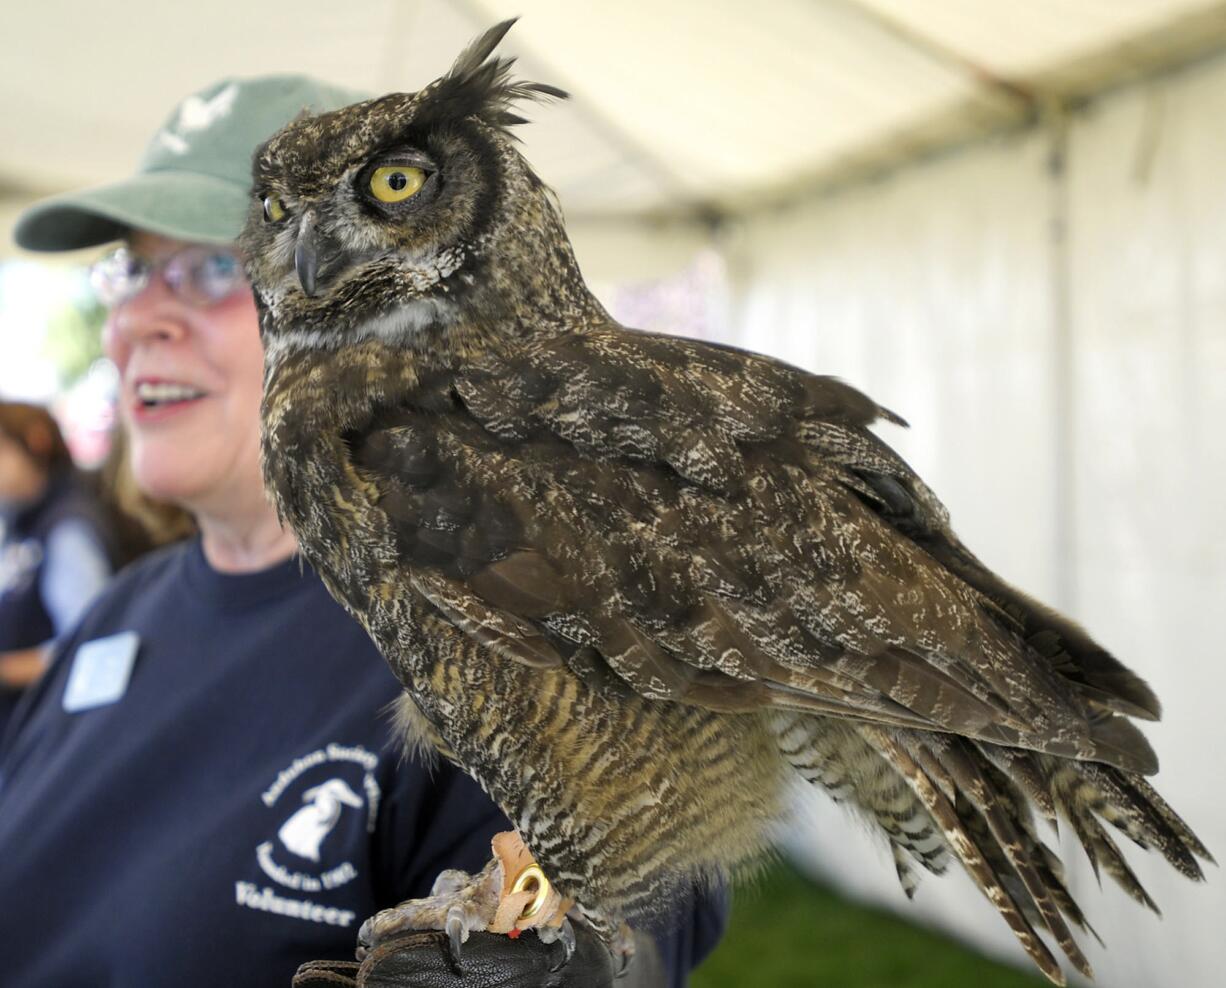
(933, 291)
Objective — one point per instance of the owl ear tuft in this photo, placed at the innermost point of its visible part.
(481, 86)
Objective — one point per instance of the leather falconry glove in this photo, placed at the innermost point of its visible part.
(491, 960)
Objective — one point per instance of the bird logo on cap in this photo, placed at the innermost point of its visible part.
(197, 114)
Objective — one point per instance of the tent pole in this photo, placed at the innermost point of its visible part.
(1063, 387)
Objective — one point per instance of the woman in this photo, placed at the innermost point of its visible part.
(148, 798)
(55, 546)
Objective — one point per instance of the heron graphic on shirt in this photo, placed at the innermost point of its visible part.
(305, 831)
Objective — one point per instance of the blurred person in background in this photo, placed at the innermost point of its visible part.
(56, 547)
(203, 790)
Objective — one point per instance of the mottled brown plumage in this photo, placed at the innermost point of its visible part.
(635, 584)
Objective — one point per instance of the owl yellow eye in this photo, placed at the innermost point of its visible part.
(396, 183)
(274, 209)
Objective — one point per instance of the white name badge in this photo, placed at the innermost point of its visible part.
(100, 671)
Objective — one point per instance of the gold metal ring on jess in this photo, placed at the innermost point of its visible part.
(524, 881)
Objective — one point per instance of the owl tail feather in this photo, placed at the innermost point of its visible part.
(997, 851)
(940, 796)
(979, 798)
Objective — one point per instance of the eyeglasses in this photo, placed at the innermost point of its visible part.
(200, 275)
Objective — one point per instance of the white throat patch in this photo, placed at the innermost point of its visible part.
(406, 321)
(397, 327)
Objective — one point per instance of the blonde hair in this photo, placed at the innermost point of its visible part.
(160, 521)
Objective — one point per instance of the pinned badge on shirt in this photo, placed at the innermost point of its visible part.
(100, 671)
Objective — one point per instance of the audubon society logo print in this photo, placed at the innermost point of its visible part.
(313, 794)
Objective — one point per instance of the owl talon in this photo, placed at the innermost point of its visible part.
(623, 951)
(456, 934)
(364, 941)
(566, 936)
(459, 903)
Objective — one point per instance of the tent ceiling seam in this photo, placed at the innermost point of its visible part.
(989, 82)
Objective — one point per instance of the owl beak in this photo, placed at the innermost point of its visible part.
(306, 254)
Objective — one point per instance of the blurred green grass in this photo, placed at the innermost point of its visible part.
(786, 932)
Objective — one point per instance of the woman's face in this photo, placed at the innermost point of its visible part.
(190, 386)
(21, 477)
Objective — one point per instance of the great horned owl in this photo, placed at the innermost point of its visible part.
(636, 584)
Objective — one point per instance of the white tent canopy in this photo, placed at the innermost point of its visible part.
(684, 105)
(1066, 385)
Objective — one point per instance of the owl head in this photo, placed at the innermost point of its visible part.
(411, 218)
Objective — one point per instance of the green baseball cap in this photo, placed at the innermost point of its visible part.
(193, 181)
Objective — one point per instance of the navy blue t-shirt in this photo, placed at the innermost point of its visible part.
(240, 808)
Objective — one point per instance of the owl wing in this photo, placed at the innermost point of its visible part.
(707, 526)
